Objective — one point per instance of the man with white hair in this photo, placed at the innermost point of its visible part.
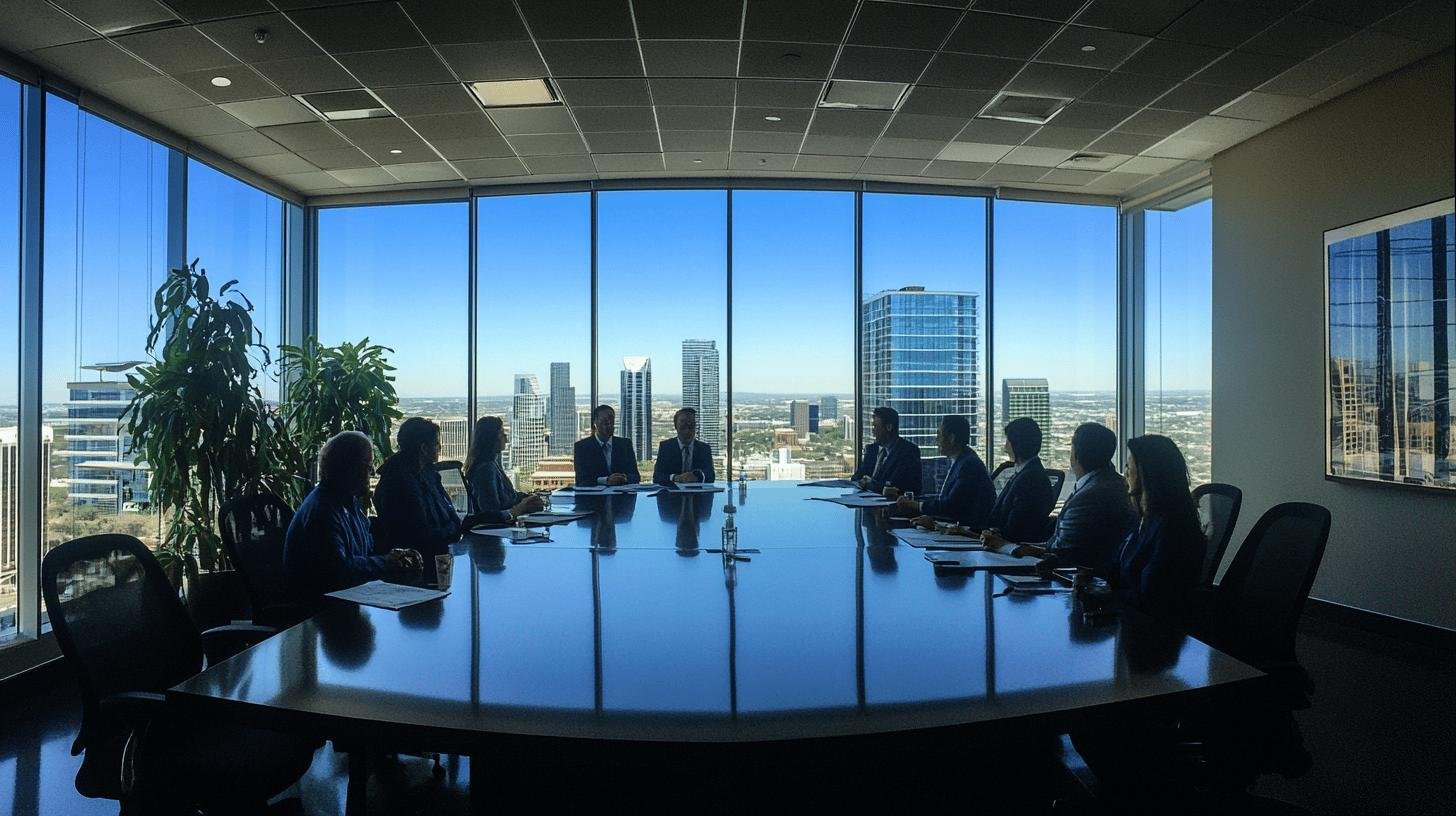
(329, 545)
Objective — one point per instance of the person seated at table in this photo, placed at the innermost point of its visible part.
(684, 459)
(1095, 519)
(603, 459)
(411, 501)
(967, 494)
(1158, 566)
(493, 497)
(1021, 509)
(328, 545)
(889, 460)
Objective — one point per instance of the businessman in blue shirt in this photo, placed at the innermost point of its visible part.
(684, 459)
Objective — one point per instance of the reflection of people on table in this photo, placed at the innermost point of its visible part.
(1158, 565)
(608, 512)
(328, 545)
(1021, 510)
(967, 494)
(411, 501)
(684, 459)
(603, 459)
(494, 497)
(890, 460)
(687, 511)
(346, 636)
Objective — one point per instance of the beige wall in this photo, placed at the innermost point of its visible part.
(1379, 149)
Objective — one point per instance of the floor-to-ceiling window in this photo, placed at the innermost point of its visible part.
(533, 329)
(923, 316)
(1177, 331)
(793, 334)
(661, 313)
(9, 351)
(1055, 323)
(398, 275)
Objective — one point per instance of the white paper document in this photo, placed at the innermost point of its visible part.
(554, 516)
(694, 487)
(519, 535)
(614, 490)
(852, 500)
(979, 560)
(388, 596)
(828, 483)
(931, 540)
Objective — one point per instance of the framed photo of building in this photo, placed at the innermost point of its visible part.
(1390, 338)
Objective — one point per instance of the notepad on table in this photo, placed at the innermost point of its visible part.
(828, 483)
(979, 560)
(385, 595)
(932, 540)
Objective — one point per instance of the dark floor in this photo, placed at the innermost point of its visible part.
(1382, 732)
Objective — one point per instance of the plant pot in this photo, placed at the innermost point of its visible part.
(217, 598)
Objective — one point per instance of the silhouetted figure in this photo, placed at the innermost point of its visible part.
(494, 497)
(967, 494)
(604, 459)
(684, 459)
(412, 504)
(1021, 510)
(1158, 566)
(890, 460)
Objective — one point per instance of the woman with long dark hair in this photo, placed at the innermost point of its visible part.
(493, 497)
(414, 509)
(1158, 565)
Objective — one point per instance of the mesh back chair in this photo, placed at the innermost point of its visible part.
(452, 476)
(253, 531)
(1218, 510)
(128, 638)
(1057, 478)
(933, 471)
(1000, 477)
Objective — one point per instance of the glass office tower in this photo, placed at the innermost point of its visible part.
(528, 426)
(1027, 397)
(561, 406)
(635, 421)
(921, 358)
(700, 389)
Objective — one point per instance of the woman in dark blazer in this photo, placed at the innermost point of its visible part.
(414, 509)
(1022, 508)
(1158, 565)
(493, 497)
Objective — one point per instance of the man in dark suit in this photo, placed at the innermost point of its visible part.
(890, 460)
(1098, 515)
(684, 459)
(603, 459)
(1022, 508)
(967, 494)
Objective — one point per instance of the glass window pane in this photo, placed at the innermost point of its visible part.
(1178, 331)
(533, 365)
(793, 339)
(661, 317)
(1055, 321)
(399, 275)
(9, 350)
(105, 255)
(923, 315)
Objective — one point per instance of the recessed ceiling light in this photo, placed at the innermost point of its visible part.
(1089, 48)
(513, 93)
(221, 81)
(697, 161)
(394, 151)
(773, 118)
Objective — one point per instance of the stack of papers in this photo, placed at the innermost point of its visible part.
(516, 535)
(979, 560)
(388, 596)
(857, 500)
(554, 516)
(691, 487)
(828, 483)
(931, 540)
(613, 490)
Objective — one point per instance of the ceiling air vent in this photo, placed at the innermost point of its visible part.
(861, 95)
(1035, 110)
(515, 93)
(1092, 161)
(340, 105)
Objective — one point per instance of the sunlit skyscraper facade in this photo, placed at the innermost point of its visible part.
(528, 425)
(634, 422)
(562, 409)
(700, 388)
(1027, 397)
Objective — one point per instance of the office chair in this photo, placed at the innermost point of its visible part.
(128, 638)
(253, 530)
(1057, 478)
(996, 480)
(1218, 509)
(457, 487)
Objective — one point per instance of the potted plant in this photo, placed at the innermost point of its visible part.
(199, 421)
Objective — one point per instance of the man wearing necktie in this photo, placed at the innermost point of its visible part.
(684, 459)
(967, 494)
(890, 460)
(603, 459)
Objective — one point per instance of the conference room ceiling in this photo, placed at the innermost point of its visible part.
(723, 88)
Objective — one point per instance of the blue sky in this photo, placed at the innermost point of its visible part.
(398, 274)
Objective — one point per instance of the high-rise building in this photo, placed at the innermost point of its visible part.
(100, 472)
(634, 421)
(528, 425)
(700, 388)
(921, 358)
(10, 510)
(829, 408)
(454, 438)
(799, 417)
(1027, 398)
(561, 407)
(813, 418)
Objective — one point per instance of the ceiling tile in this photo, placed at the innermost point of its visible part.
(1109, 48)
(199, 10)
(785, 60)
(152, 94)
(828, 164)
(1171, 60)
(1063, 137)
(366, 132)
(1353, 12)
(553, 144)
(809, 21)
(363, 177)
(1038, 156)
(1099, 161)
(276, 164)
(278, 110)
(711, 92)
(1014, 173)
(1266, 107)
(476, 62)
(691, 58)
(639, 142)
(1134, 90)
(696, 140)
(311, 136)
(761, 142)
(94, 62)
(945, 102)
(999, 35)
(487, 21)
(908, 148)
(1196, 98)
(1092, 115)
(404, 150)
(688, 19)
(761, 161)
(1244, 69)
(995, 131)
(627, 162)
(311, 182)
(33, 24)
(1221, 130)
(560, 165)
(966, 170)
(174, 50)
(1426, 20)
(551, 119)
(970, 71)
(604, 92)
(283, 39)
(1157, 122)
(1067, 81)
(1222, 23)
(1306, 79)
(1119, 142)
(1146, 17)
(900, 25)
(1299, 36)
(674, 117)
(490, 168)
(1148, 165)
(609, 120)
(592, 58)
(201, 121)
(1172, 148)
(1070, 178)
(1058, 10)
(243, 144)
(837, 145)
(893, 167)
(974, 152)
(933, 128)
(472, 148)
(424, 100)
(342, 158)
(471, 125)
(789, 120)
(423, 171)
(697, 161)
(115, 16)
(245, 84)
(575, 20)
(360, 27)
(306, 75)
(857, 123)
(399, 66)
(774, 93)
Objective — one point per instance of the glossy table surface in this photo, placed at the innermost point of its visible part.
(624, 626)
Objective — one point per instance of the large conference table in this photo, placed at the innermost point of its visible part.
(628, 628)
